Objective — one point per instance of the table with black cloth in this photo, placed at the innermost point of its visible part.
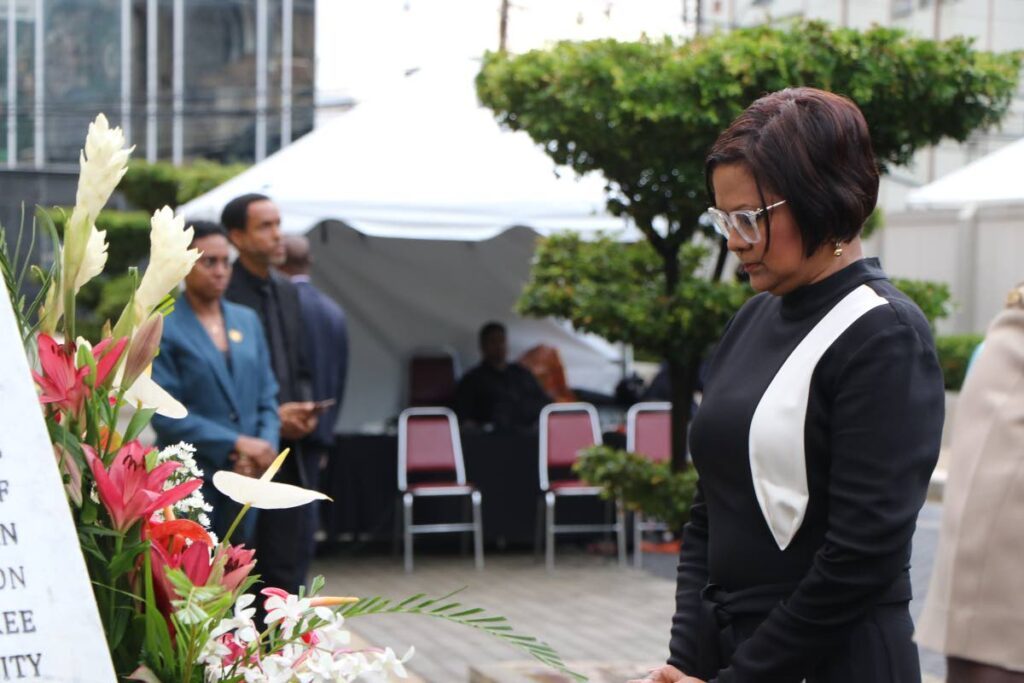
(362, 478)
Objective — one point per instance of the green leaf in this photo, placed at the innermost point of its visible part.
(139, 420)
(494, 625)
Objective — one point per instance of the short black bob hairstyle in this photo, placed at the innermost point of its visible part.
(813, 149)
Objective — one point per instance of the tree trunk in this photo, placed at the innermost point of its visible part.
(683, 376)
(682, 372)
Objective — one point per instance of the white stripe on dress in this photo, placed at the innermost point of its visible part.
(777, 457)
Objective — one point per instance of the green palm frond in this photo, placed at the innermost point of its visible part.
(474, 617)
(15, 267)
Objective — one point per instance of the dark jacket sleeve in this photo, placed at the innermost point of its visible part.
(886, 427)
(692, 576)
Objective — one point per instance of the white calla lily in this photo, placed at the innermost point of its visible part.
(170, 260)
(263, 493)
(147, 393)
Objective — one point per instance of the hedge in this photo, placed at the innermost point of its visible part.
(954, 354)
(152, 186)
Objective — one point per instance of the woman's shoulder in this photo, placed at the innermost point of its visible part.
(240, 313)
(899, 311)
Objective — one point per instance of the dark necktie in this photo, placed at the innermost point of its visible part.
(276, 340)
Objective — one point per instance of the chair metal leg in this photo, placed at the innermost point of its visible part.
(549, 528)
(638, 550)
(478, 531)
(538, 531)
(396, 530)
(407, 530)
(620, 531)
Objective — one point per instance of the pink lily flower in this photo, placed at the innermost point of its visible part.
(239, 563)
(107, 353)
(66, 386)
(128, 491)
(61, 382)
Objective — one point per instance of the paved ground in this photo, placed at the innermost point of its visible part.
(588, 609)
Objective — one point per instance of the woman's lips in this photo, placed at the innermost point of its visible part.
(750, 267)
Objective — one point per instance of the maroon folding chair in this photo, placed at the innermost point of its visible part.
(432, 378)
(428, 442)
(565, 430)
(648, 433)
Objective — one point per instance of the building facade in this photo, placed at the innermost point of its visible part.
(228, 80)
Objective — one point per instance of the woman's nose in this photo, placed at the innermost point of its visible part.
(736, 243)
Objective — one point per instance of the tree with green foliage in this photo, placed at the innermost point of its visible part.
(644, 115)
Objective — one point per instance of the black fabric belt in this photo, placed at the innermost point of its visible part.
(728, 617)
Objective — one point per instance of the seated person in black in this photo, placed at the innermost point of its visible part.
(497, 394)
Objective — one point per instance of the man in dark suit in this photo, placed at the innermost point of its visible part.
(284, 538)
(326, 344)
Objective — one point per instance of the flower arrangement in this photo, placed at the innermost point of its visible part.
(176, 603)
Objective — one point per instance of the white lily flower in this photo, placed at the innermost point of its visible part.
(149, 394)
(170, 260)
(262, 493)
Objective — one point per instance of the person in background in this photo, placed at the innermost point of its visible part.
(974, 612)
(214, 360)
(284, 538)
(497, 394)
(327, 348)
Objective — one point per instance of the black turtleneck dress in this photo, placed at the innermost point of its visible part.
(820, 594)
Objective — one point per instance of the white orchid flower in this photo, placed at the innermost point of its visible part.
(263, 493)
(170, 260)
(393, 664)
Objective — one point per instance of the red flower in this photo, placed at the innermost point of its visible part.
(128, 491)
(168, 551)
(61, 382)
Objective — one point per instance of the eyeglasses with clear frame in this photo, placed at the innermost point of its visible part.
(743, 222)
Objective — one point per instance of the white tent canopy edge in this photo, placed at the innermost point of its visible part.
(424, 214)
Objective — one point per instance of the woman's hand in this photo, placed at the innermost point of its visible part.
(666, 674)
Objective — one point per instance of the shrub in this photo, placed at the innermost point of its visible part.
(932, 298)
(954, 354)
(151, 186)
(642, 485)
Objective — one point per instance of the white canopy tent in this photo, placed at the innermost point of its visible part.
(996, 179)
(426, 214)
(966, 229)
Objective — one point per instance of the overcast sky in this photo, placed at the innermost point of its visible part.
(362, 45)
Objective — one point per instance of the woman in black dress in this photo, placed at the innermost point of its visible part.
(820, 422)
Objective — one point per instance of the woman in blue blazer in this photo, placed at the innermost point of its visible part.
(214, 360)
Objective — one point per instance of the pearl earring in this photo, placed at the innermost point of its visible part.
(839, 249)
